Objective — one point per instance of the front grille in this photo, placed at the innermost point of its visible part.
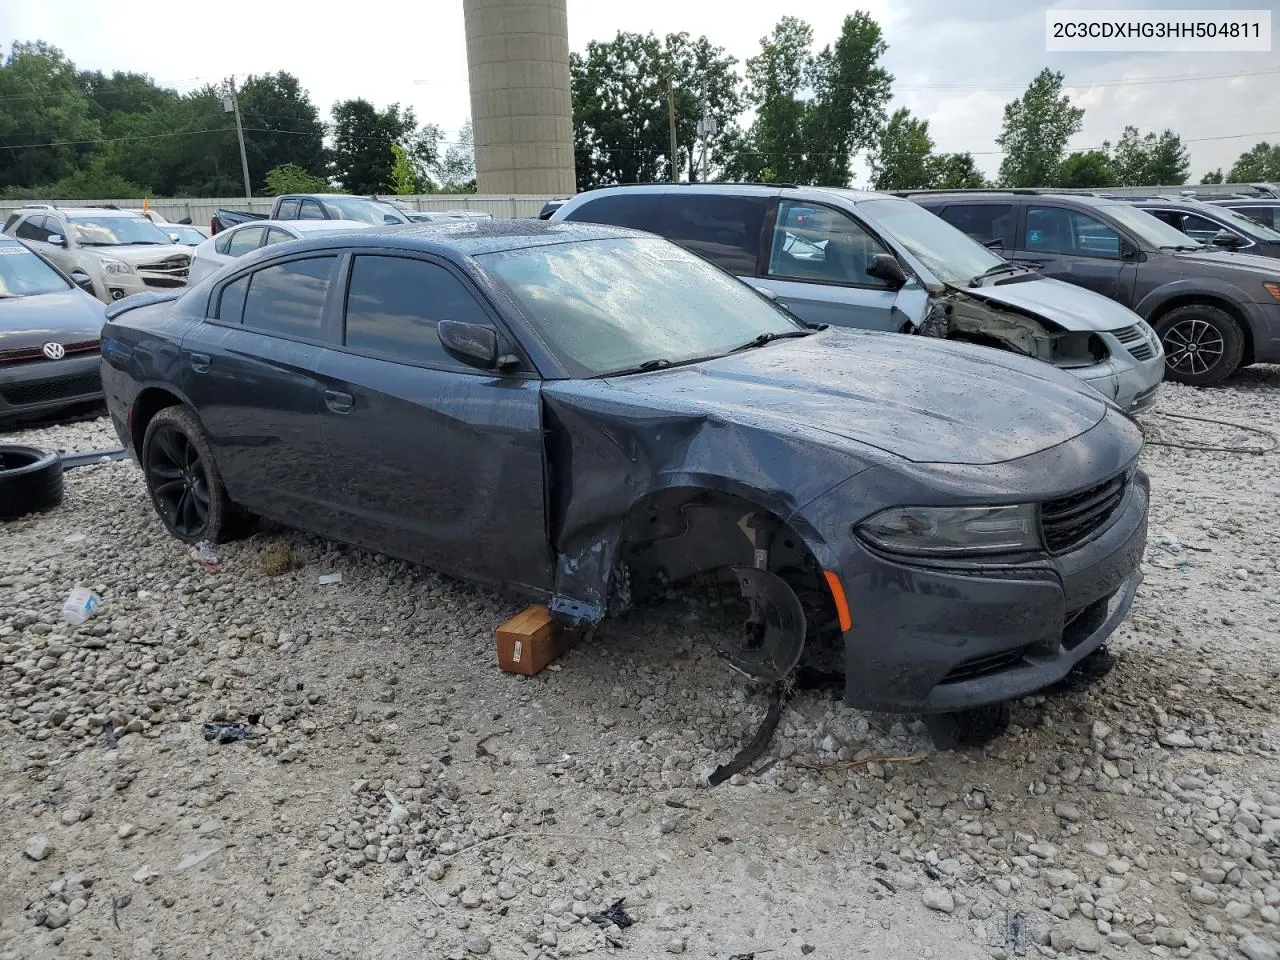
(1071, 520)
(169, 272)
(16, 355)
(1135, 341)
(44, 391)
(982, 666)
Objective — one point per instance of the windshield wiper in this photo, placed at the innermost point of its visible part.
(661, 363)
(1179, 247)
(998, 269)
(764, 338)
(142, 243)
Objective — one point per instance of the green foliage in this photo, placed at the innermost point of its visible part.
(363, 137)
(1151, 160)
(956, 171)
(621, 113)
(813, 111)
(404, 179)
(281, 126)
(1086, 170)
(46, 124)
(1262, 163)
(1213, 176)
(904, 155)
(291, 178)
(458, 168)
(1036, 129)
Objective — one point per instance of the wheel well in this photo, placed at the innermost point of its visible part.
(145, 406)
(1210, 301)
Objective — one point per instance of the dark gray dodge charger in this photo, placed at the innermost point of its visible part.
(588, 414)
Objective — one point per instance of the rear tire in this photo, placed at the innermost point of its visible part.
(30, 481)
(183, 480)
(1203, 345)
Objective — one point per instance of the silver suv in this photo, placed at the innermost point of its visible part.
(113, 253)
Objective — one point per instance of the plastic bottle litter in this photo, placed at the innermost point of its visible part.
(205, 552)
(328, 578)
(80, 605)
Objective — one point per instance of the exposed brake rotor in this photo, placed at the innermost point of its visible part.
(773, 635)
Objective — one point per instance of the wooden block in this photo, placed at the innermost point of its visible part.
(530, 640)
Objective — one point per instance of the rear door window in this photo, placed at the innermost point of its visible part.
(821, 245)
(983, 222)
(633, 210)
(395, 303)
(724, 229)
(287, 299)
(1201, 228)
(1070, 232)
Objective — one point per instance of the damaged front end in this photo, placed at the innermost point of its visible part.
(970, 317)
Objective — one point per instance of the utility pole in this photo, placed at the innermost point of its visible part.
(671, 116)
(231, 104)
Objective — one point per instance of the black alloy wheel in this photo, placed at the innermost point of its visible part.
(178, 482)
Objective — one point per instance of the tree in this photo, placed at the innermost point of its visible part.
(281, 126)
(621, 111)
(458, 168)
(47, 129)
(114, 98)
(291, 178)
(1262, 163)
(1213, 176)
(1084, 170)
(1036, 129)
(903, 159)
(362, 138)
(1147, 161)
(814, 112)
(955, 171)
(404, 178)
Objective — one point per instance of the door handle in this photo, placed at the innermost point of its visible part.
(199, 362)
(339, 402)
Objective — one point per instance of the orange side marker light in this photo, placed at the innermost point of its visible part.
(837, 595)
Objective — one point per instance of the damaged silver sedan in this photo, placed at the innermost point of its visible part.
(589, 415)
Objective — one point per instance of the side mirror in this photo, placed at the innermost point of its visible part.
(1227, 239)
(886, 268)
(84, 283)
(175, 238)
(474, 344)
(1128, 251)
(994, 244)
(57, 239)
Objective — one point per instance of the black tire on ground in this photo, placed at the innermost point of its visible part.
(183, 480)
(968, 728)
(30, 480)
(1203, 345)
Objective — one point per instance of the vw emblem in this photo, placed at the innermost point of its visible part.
(54, 351)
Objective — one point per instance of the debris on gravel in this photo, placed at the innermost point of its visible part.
(402, 797)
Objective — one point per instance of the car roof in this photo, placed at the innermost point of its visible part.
(1006, 195)
(733, 189)
(468, 238)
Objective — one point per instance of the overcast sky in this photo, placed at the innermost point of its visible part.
(955, 62)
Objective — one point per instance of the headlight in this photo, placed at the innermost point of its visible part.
(1273, 289)
(113, 266)
(953, 531)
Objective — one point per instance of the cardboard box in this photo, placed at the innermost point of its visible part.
(530, 640)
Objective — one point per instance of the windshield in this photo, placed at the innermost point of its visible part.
(23, 274)
(366, 211)
(611, 305)
(950, 254)
(186, 235)
(1151, 229)
(108, 231)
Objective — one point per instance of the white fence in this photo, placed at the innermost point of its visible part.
(200, 209)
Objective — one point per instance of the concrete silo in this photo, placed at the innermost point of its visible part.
(521, 110)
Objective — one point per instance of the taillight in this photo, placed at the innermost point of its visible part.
(213, 225)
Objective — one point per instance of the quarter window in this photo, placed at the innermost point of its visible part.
(983, 222)
(820, 244)
(245, 240)
(395, 303)
(231, 303)
(33, 228)
(288, 299)
(633, 210)
(288, 210)
(724, 229)
(311, 210)
(1059, 230)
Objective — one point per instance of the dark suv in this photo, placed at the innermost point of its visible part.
(1214, 310)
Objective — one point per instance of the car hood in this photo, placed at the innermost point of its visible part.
(71, 317)
(918, 398)
(143, 253)
(1194, 262)
(1063, 304)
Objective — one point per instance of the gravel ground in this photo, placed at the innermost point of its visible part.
(406, 799)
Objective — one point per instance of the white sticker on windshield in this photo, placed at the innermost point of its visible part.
(12, 251)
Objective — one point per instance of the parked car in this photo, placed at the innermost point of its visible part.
(550, 207)
(429, 216)
(877, 262)
(49, 333)
(1214, 310)
(1214, 225)
(213, 254)
(113, 252)
(586, 414)
(1265, 212)
(185, 234)
(315, 206)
